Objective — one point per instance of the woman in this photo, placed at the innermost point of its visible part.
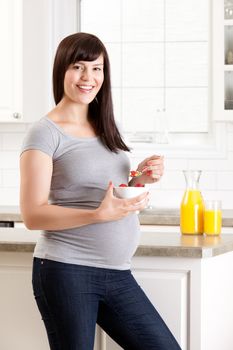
(70, 161)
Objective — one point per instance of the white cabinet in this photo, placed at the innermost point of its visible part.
(11, 60)
(29, 31)
(36, 59)
(21, 325)
(24, 68)
(172, 306)
(192, 295)
(157, 284)
(223, 60)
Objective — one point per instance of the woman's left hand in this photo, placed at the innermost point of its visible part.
(152, 169)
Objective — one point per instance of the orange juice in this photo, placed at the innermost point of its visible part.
(212, 222)
(192, 212)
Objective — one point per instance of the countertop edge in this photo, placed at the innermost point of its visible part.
(142, 250)
(169, 252)
(154, 216)
(17, 247)
(151, 244)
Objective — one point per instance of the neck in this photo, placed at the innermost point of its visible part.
(71, 111)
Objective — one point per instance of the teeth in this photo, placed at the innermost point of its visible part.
(85, 87)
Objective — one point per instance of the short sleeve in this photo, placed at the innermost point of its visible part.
(39, 137)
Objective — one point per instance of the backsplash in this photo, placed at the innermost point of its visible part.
(216, 180)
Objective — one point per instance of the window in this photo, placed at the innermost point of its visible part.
(159, 54)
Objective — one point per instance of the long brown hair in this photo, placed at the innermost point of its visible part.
(87, 47)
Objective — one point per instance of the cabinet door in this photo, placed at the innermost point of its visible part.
(11, 60)
(21, 324)
(168, 291)
(24, 68)
(223, 60)
(23, 60)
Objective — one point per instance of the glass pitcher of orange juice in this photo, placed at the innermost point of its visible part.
(192, 205)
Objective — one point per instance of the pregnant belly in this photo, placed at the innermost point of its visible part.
(108, 244)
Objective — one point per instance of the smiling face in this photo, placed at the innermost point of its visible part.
(83, 80)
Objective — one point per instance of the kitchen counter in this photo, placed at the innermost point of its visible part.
(170, 244)
(18, 240)
(182, 275)
(171, 217)
(165, 216)
(165, 244)
(10, 213)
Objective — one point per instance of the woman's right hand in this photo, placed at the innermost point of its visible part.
(113, 208)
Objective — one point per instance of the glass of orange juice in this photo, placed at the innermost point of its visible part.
(212, 218)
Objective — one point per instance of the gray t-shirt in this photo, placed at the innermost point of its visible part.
(82, 169)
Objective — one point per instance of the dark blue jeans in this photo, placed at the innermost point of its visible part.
(73, 298)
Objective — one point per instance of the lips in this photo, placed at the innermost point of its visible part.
(85, 88)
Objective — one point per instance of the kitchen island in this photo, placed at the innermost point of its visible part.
(188, 279)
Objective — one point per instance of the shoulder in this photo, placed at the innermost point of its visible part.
(41, 136)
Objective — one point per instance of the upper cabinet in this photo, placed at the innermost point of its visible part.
(36, 57)
(29, 33)
(223, 60)
(11, 64)
(24, 60)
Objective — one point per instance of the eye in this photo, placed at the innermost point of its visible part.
(99, 69)
(78, 67)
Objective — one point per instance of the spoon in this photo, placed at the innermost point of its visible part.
(135, 173)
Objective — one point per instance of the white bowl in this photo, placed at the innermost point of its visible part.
(129, 192)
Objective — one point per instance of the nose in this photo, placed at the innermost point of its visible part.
(86, 74)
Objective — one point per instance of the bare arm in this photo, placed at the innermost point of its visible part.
(36, 172)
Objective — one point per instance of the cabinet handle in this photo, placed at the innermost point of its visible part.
(16, 115)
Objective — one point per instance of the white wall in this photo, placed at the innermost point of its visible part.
(11, 137)
(216, 180)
